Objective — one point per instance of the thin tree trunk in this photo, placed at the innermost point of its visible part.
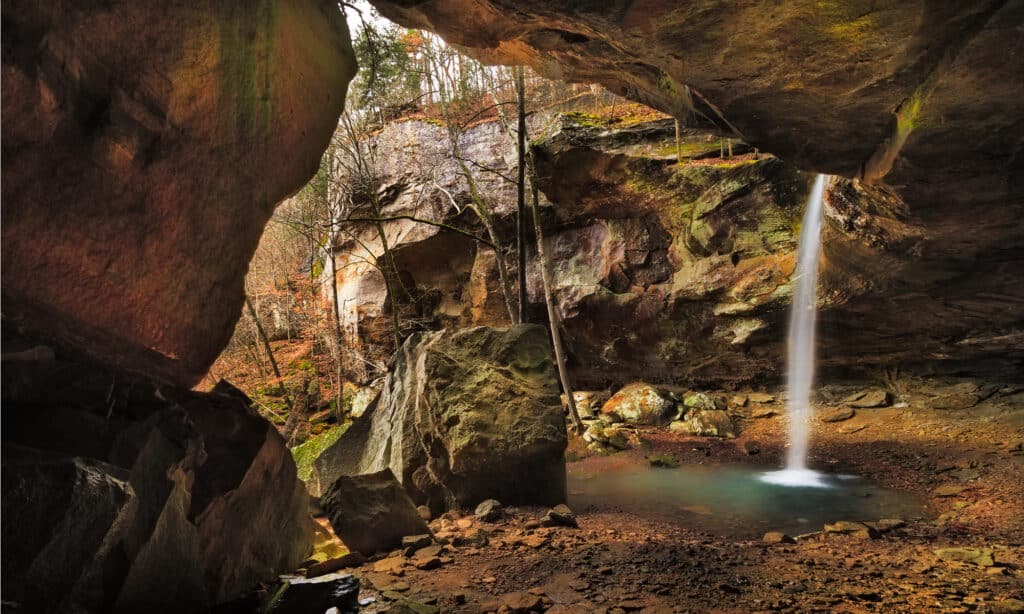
(270, 352)
(556, 337)
(521, 191)
(679, 145)
(729, 143)
(389, 263)
(296, 427)
(254, 354)
(338, 338)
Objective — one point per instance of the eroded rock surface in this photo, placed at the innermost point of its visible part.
(640, 403)
(122, 495)
(856, 88)
(145, 146)
(464, 416)
(916, 99)
(664, 272)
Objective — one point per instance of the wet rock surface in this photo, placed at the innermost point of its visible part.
(912, 95)
(665, 272)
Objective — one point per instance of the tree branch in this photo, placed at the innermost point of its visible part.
(419, 220)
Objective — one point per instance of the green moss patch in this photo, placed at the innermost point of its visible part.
(308, 452)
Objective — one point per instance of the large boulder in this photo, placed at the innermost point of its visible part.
(145, 146)
(464, 416)
(640, 403)
(137, 497)
(371, 513)
(710, 423)
(56, 548)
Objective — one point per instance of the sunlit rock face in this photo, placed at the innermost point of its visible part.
(919, 99)
(672, 272)
(144, 147)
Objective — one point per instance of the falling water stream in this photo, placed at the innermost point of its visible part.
(800, 370)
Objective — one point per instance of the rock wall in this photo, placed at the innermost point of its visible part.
(917, 99)
(123, 495)
(145, 146)
(681, 274)
(917, 89)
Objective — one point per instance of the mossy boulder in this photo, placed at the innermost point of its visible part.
(371, 513)
(700, 401)
(710, 423)
(465, 416)
(309, 451)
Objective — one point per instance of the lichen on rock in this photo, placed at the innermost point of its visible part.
(464, 416)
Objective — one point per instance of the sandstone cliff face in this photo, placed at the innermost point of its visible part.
(683, 273)
(145, 146)
(661, 272)
(856, 88)
(922, 97)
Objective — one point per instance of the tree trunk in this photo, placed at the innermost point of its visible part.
(554, 321)
(338, 336)
(296, 428)
(521, 191)
(679, 145)
(265, 340)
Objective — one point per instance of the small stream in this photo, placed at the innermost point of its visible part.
(734, 501)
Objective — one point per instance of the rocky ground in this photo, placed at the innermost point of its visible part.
(963, 553)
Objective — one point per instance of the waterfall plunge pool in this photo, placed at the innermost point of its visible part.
(735, 501)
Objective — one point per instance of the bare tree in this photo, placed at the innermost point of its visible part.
(266, 346)
(440, 58)
(553, 319)
(521, 188)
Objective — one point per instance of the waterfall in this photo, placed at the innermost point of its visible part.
(800, 370)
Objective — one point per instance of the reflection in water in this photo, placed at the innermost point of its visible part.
(735, 501)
